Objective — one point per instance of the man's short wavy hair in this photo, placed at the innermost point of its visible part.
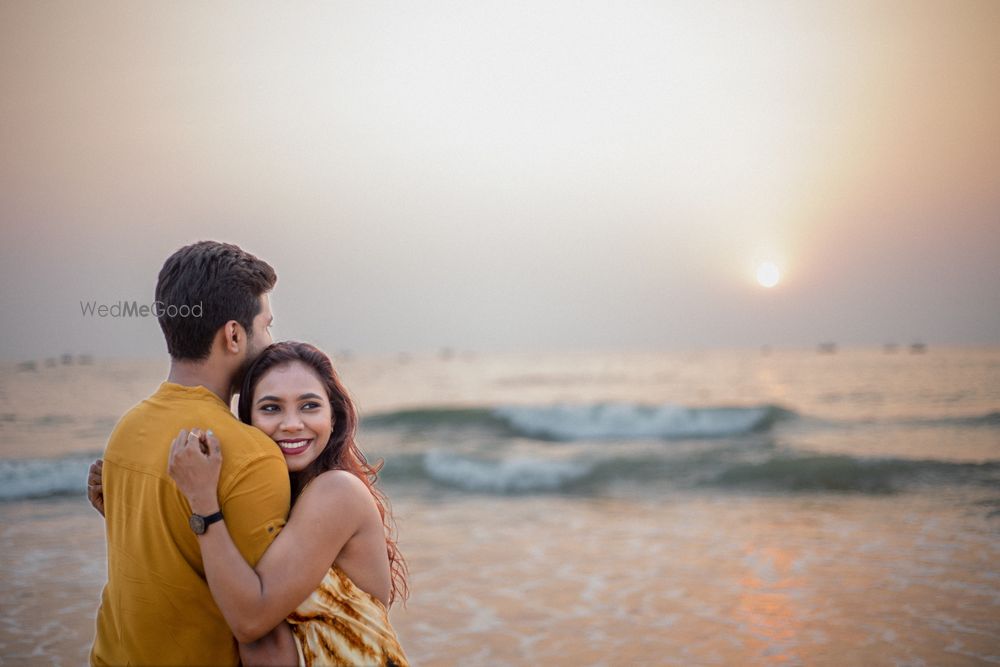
(224, 279)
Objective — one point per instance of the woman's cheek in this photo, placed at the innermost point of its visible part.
(266, 423)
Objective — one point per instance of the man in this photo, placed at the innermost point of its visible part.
(156, 608)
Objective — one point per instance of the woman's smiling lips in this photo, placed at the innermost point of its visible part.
(291, 447)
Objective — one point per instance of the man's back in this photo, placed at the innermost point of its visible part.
(156, 607)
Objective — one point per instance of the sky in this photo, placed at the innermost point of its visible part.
(508, 175)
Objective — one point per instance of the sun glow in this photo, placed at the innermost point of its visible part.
(768, 274)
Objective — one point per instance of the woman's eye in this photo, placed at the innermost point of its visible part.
(310, 406)
(269, 408)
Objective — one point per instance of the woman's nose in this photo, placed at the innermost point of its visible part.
(291, 423)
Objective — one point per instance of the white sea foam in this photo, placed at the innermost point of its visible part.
(511, 475)
(630, 420)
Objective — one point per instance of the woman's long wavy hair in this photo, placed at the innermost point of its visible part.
(341, 452)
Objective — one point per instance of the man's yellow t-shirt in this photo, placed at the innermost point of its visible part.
(156, 608)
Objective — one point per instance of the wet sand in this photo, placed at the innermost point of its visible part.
(686, 579)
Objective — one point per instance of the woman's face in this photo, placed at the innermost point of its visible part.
(290, 405)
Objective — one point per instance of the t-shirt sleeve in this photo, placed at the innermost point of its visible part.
(256, 504)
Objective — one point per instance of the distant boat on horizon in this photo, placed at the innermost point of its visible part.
(827, 348)
(918, 348)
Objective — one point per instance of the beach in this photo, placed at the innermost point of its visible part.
(708, 508)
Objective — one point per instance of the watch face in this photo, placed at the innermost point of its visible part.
(197, 524)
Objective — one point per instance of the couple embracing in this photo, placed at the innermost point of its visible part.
(206, 566)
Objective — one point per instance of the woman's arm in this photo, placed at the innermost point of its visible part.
(326, 516)
(275, 649)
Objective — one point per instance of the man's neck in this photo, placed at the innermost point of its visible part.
(194, 374)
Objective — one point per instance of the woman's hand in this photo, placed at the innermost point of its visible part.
(195, 462)
(95, 486)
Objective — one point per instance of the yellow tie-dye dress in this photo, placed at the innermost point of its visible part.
(340, 624)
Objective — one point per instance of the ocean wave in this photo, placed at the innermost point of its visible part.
(780, 472)
(734, 467)
(803, 473)
(598, 421)
(434, 416)
(513, 475)
(990, 419)
(41, 478)
(632, 421)
(987, 420)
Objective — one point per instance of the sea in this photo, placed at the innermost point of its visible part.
(830, 506)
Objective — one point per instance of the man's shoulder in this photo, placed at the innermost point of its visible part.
(244, 442)
(130, 425)
(154, 425)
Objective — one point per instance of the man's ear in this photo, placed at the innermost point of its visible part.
(232, 336)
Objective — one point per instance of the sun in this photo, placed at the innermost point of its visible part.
(768, 274)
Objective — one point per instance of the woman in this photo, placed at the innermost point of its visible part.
(334, 569)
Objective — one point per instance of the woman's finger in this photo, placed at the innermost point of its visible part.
(181, 440)
(175, 450)
(178, 443)
(213, 448)
(199, 442)
(195, 440)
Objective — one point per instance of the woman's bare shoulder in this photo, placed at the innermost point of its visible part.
(336, 486)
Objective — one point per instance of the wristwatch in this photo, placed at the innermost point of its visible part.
(199, 524)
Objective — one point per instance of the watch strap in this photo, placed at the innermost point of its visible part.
(212, 518)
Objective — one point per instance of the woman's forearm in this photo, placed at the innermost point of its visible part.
(254, 600)
(276, 648)
(235, 585)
